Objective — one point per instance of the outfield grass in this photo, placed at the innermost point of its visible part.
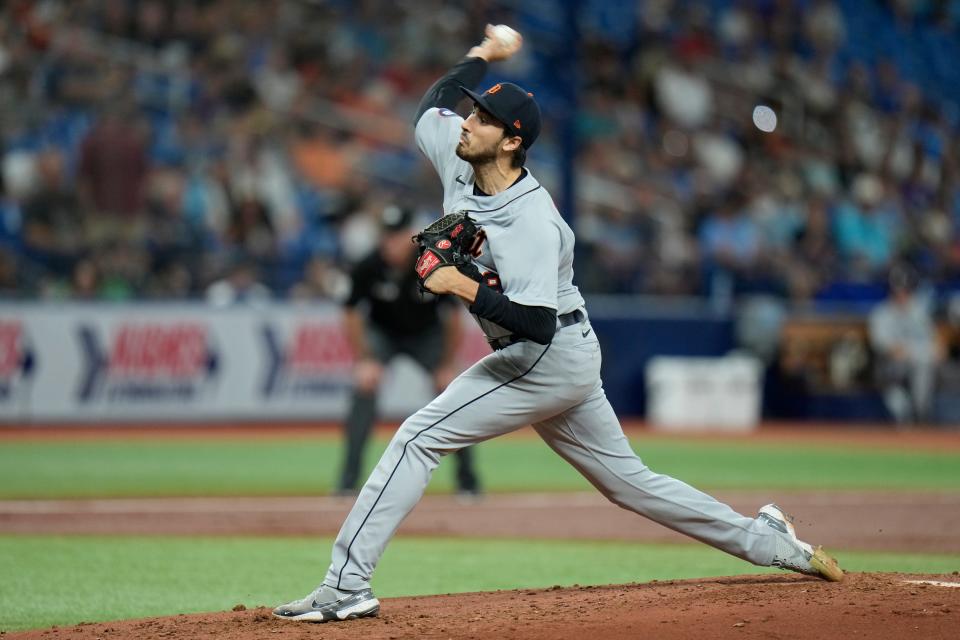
(66, 580)
(309, 466)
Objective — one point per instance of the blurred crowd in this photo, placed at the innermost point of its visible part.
(238, 150)
(222, 148)
(686, 191)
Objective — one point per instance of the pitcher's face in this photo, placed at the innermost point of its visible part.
(481, 137)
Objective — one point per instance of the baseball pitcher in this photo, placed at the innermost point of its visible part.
(506, 252)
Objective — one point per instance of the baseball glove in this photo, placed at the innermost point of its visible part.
(450, 241)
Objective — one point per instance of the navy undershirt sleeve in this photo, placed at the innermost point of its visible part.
(535, 323)
(445, 92)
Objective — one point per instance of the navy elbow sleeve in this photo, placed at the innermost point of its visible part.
(534, 323)
(445, 92)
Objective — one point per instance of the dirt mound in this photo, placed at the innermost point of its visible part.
(894, 521)
(877, 606)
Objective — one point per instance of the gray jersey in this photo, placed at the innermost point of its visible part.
(556, 388)
(529, 246)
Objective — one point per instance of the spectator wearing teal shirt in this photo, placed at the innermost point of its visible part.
(866, 230)
(731, 244)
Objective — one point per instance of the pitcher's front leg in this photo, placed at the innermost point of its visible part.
(485, 401)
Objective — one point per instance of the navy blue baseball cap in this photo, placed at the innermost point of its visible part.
(513, 106)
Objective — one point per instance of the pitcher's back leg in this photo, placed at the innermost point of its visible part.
(590, 438)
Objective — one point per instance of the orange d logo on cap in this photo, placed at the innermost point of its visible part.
(494, 88)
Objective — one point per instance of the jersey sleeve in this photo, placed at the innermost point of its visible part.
(438, 132)
(529, 265)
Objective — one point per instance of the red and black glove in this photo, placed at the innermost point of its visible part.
(452, 241)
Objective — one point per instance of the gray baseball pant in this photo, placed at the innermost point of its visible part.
(557, 389)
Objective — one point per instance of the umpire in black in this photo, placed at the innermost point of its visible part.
(386, 315)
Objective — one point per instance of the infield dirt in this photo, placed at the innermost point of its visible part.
(784, 606)
(876, 606)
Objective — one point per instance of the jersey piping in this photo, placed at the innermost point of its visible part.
(505, 204)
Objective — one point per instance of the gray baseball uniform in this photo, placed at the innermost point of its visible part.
(554, 387)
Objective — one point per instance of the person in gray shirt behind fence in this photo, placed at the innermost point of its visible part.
(904, 340)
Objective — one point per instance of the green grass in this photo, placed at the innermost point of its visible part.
(309, 466)
(65, 580)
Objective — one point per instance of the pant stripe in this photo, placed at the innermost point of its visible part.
(404, 452)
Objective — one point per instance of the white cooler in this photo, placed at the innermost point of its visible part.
(704, 394)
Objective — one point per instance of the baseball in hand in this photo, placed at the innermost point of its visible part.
(507, 37)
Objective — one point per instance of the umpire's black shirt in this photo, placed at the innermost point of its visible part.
(396, 305)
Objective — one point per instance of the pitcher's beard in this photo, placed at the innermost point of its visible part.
(482, 156)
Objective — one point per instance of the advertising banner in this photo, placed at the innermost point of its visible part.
(155, 362)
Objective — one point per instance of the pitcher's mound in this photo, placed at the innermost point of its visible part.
(876, 606)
